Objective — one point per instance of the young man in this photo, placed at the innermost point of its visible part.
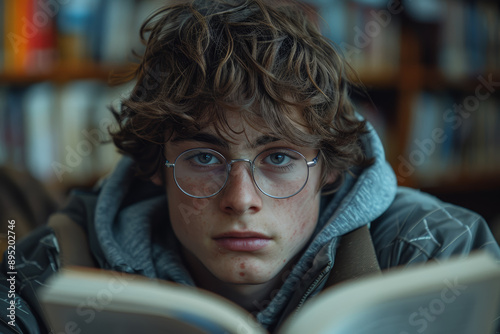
(245, 165)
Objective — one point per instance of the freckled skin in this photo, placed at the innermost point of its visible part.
(289, 223)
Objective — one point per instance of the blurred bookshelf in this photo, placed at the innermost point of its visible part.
(432, 75)
(57, 60)
(418, 60)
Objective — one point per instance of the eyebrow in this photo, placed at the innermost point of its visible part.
(214, 140)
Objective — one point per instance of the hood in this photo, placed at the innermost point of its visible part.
(127, 221)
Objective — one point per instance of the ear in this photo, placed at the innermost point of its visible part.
(331, 177)
(157, 179)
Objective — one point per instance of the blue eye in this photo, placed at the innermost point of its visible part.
(206, 159)
(277, 158)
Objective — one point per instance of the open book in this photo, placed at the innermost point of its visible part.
(459, 296)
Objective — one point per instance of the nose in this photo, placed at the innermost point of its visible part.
(240, 195)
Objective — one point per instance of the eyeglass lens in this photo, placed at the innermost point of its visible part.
(277, 172)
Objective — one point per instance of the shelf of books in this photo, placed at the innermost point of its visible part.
(438, 107)
(56, 63)
(431, 70)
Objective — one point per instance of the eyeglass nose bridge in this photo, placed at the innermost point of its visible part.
(252, 176)
(230, 164)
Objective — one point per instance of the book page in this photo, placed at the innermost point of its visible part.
(457, 296)
(450, 313)
(103, 302)
(113, 321)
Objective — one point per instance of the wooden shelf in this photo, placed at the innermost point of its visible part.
(416, 78)
(461, 183)
(472, 182)
(435, 79)
(62, 73)
(383, 79)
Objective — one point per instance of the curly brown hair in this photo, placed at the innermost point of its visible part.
(263, 59)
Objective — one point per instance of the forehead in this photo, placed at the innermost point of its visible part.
(231, 125)
(238, 128)
(283, 122)
(235, 131)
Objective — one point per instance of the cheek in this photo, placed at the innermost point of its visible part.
(183, 207)
(188, 216)
(300, 214)
(190, 229)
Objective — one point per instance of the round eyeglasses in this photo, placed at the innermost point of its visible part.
(277, 172)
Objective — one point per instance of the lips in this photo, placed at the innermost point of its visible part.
(242, 241)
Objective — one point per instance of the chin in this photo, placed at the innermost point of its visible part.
(245, 281)
(245, 278)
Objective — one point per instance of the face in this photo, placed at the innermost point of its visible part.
(241, 235)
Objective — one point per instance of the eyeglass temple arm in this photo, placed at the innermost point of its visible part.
(313, 162)
(167, 163)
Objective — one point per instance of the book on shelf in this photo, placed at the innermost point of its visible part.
(28, 38)
(459, 296)
(35, 35)
(39, 102)
(15, 44)
(450, 138)
(58, 132)
(40, 33)
(367, 34)
(3, 125)
(2, 35)
(13, 133)
(470, 39)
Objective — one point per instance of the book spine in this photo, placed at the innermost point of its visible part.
(3, 126)
(15, 134)
(452, 53)
(115, 45)
(9, 34)
(73, 26)
(2, 34)
(445, 144)
(42, 53)
(39, 129)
